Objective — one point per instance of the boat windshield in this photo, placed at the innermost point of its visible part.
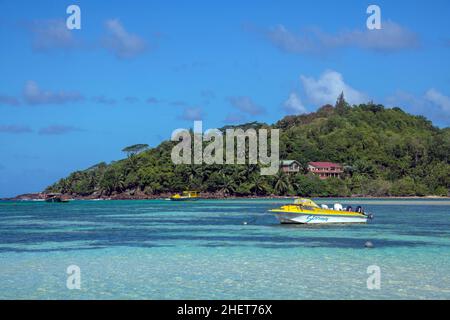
(305, 202)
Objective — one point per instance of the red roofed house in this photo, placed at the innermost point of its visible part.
(325, 169)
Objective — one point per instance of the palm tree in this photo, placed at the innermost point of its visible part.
(258, 185)
(227, 185)
(120, 182)
(132, 163)
(250, 169)
(206, 171)
(296, 184)
(240, 173)
(92, 180)
(65, 187)
(113, 181)
(282, 183)
(193, 171)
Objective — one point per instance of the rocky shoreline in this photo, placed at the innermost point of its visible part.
(203, 195)
(127, 196)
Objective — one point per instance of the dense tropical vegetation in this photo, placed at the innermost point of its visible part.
(386, 152)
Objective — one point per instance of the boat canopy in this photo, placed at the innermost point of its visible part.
(305, 202)
(190, 193)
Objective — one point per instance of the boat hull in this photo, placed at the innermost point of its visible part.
(183, 199)
(305, 218)
(56, 200)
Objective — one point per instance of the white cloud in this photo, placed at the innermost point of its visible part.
(57, 130)
(101, 99)
(438, 99)
(433, 104)
(14, 129)
(288, 41)
(234, 118)
(328, 87)
(122, 43)
(34, 95)
(131, 99)
(400, 98)
(392, 37)
(246, 105)
(293, 105)
(192, 114)
(52, 34)
(152, 100)
(9, 100)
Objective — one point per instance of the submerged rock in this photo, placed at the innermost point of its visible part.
(369, 244)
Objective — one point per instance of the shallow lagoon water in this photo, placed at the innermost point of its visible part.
(156, 249)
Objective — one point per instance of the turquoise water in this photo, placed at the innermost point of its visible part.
(156, 249)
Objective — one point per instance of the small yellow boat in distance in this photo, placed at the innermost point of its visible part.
(306, 211)
(185, 196)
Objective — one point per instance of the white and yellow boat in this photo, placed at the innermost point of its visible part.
(306, 211)
(185, 196)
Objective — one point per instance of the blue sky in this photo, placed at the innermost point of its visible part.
(137, 70)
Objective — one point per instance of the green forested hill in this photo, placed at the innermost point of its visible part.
(386, 152)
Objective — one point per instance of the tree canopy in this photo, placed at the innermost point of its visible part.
(135, 149)
(385, 152)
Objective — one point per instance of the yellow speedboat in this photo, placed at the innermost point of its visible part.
(185, 196)
(306, 211)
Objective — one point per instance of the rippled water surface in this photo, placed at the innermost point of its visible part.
(217, 249)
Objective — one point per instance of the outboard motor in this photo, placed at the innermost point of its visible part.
(324, 206)
(369, 216)
(337, 207)
(359, 209)
(349, 208)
